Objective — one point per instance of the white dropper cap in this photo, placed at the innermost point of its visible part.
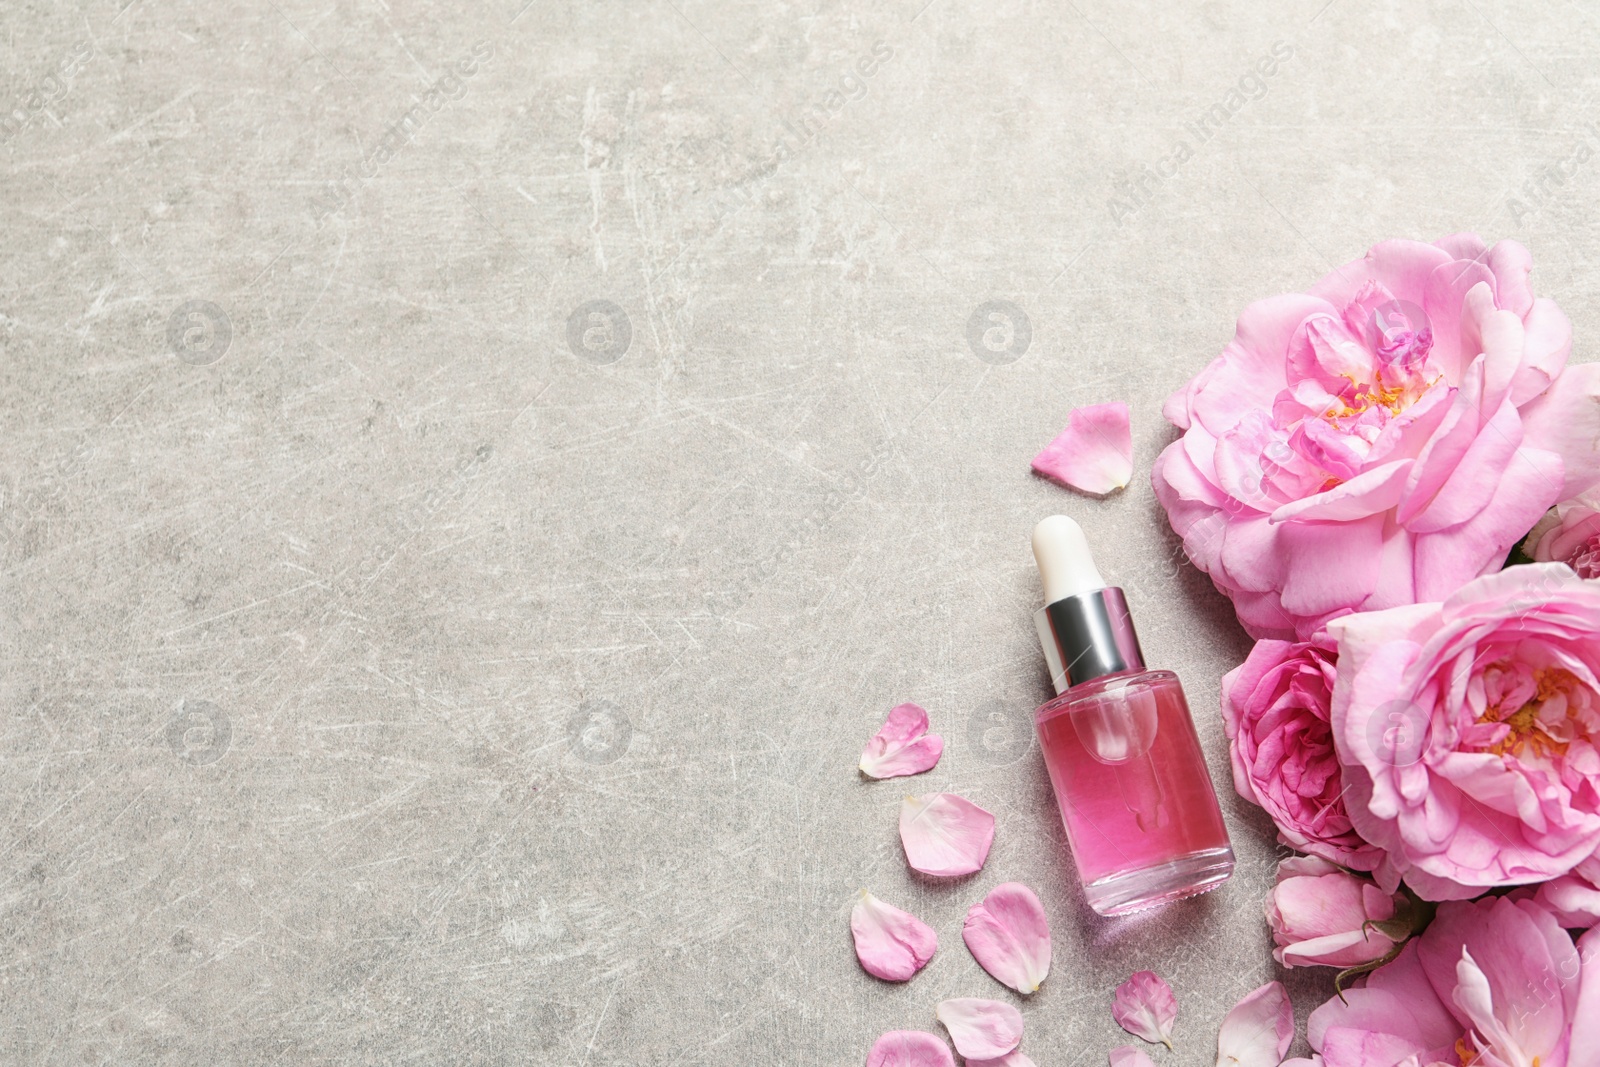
(1066, 566)
(1084, 626)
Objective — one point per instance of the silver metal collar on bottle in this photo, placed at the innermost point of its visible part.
(1086, 636)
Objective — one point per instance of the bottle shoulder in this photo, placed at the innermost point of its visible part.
(1110, 684)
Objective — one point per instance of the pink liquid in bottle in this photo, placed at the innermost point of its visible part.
(1130, 778)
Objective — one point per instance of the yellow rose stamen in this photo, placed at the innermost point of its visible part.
(1527, 729)
(1392, 398)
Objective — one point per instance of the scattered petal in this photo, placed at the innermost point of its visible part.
(909, 1048)
(1014, 1058)
(891, 944)
(1145, 1007)
(903, 746)
(1009, 936)
(944, 834)
(1128, 1056)
(1257, 1032)
(981, 1029)
(1094, 453)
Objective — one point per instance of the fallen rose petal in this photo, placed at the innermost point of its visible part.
(1128, 1056)
(1014, 1058)
(1257, 1032)
(944, 834)
(891, 944)
(909, 1048)
(903, 746)
(981, 1029)
(1009, 936)
(1145, 1006)
(1094, 453)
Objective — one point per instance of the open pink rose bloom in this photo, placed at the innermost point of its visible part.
(1381, 439)
(1574, 898)
(1275, 711)
(1574, 539)
(1467, 732)
(1493, 983)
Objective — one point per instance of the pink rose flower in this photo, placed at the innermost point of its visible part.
(1493, 982)
(1379, 440)
(1319, 914)
(1466, 731)
(1573, 898)
(1275, 711)
(1573, 538)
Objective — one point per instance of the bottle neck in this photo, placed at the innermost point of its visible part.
(1086, 636)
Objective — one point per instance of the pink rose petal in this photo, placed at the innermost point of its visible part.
(891, 944)
(1145, 1007)
(1014, 1058)
(1257, 1032)
(909, 1048)
(1128, 1056)
(944, 834)
(1094, 453)
(1009, 936)
(903, 746)
(981, 1029)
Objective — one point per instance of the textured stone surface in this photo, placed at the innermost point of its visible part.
(389, 681)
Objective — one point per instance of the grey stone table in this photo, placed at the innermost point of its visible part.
(475, 474)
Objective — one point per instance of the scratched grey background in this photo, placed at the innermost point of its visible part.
(390, 679)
